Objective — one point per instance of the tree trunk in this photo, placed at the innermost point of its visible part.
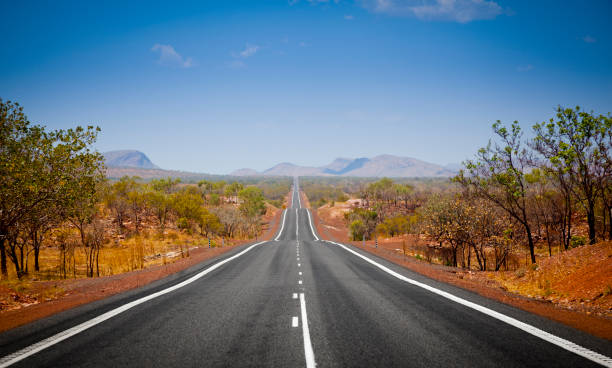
(610, 225)
(36, 254)
(591, 222)
(531, 245)
(3, 268)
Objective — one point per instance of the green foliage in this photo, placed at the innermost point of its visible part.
(52, 171)
(366, 218)
(394, 226)
(253, 203)
(577, 241)
(357, 230)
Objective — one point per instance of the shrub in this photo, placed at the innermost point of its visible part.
(357, 230)
(577, 241)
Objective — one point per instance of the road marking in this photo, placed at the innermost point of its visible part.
(61, 336)
(311, 228)
(300, 273)
(565, 344)
(297, 225)
(298, 258)
(294, 295)
(282, 226)
(294, 322)
(300, 282)
(299, 264)
(308, 352)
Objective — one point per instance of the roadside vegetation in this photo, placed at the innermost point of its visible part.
(60, 217)
(518, 203)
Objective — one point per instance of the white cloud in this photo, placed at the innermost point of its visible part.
(524, 68)
(250, 50)
(349, 17)
(589, 39)
(168, 56)
(462, 11)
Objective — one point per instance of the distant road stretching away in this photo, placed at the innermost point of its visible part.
(299, 301)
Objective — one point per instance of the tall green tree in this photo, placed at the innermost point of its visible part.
(40, 171)
(572, 144)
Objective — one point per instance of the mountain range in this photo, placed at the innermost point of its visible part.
(132, 162)
(379, 166)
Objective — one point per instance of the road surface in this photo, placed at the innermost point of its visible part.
(299, 301)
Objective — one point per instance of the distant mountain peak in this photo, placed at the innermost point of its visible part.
(128, 158)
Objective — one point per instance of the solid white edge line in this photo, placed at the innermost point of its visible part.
(282, 226)
(61, 336)
(311, 228)
(294, 321)
(565, 344)
(308, 352)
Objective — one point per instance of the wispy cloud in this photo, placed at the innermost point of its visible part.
(462, 11)
(169, 57)
(589, 39)
(524, 68)
(249, 50)
(240, 57)
(349, 17)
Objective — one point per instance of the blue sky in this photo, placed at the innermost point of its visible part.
(216, 86)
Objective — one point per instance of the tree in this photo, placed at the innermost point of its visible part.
(252, 207)
(364, 219)
(447, 220)
(118, 201)
(233, 189)
(39, 171)
(209, 223)
(253, 203)
(188, 206)
(572, 145)
(498, 175)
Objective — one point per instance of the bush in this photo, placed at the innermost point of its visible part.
(394, 226)
(577, 241)
(357, 230)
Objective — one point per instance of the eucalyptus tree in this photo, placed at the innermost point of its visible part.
(41, 171)
(574, 145)
(498, 175)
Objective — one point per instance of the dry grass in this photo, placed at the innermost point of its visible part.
(147, 249)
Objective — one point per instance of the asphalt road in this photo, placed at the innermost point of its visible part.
(249, 311)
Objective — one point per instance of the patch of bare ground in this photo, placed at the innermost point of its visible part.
(574, 287)
(24, 303)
